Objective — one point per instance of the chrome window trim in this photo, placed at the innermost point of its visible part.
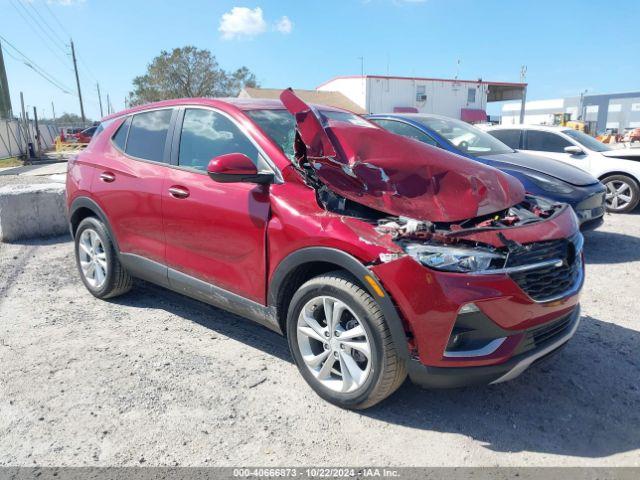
(277, 174)
(274, 169)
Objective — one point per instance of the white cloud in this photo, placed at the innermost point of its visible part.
(284, 25)
(242, 22)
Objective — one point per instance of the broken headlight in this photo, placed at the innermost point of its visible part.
(455, 259)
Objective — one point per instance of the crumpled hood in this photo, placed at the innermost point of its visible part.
(547, 166)
(397, 175)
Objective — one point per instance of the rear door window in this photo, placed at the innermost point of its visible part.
(546, 141)
(148, 135)
(508, 137)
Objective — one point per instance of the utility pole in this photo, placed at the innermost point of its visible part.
(75, 67)
(100, 100)
(5, 99)
(109, 112)
(38, 145)
(523, 78)
(25, 122)
(53, 109)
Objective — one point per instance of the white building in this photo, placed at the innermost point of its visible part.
(462, 99)
(615, 111)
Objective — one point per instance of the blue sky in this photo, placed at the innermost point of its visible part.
(568, 46)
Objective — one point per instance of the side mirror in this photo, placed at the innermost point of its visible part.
(573, 150)
(236, 168)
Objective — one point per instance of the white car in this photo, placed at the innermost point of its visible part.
(618, 169)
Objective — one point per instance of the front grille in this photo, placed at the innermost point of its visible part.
(547, 283)
(541, 335)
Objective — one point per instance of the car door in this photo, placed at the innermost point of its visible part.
(552, 145)
(129, 179)
(215, 232)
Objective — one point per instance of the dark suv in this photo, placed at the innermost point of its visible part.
(376, 255)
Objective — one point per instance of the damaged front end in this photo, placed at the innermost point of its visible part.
(445, 211)
(481, 245)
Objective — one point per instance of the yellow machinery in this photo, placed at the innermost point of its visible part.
(564, 120)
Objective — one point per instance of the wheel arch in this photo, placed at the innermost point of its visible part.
(624, 174)
(306, 263)
(83, 207)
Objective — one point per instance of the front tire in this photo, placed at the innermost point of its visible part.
(97, 261)
(341, 343)
(623, 193)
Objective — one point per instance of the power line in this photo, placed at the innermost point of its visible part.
(44, 21)
(39, 26)
(35, 67)
(36, 28)
(55, 17)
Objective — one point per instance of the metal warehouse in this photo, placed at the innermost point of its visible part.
(463, 99)
(615, 111)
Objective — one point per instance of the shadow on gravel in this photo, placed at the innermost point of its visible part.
(147, 295)
(583, 402)
(43, 241)
(602, 247)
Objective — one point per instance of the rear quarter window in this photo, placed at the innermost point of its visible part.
(120, 138)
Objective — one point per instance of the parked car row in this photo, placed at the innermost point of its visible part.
(377, 256)
(539, 175)
(617, 169)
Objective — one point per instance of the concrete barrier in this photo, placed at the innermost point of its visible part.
(29, 211)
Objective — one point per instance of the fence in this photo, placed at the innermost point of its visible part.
(14, 138)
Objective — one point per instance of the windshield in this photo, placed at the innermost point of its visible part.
(587, 141)
(465, 137)
(280, 126)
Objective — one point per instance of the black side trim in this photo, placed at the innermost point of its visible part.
(141, 267)
(358, 270)
(85, 202)
(179, 282)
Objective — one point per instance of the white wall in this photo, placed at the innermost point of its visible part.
(539, 112)
(382, 95)
(352, 88)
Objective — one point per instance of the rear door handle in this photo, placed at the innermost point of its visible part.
(107, 177)
(178, 192)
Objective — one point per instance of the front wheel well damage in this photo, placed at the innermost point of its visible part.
(295, 279)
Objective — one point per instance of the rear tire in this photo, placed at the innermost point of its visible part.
(623, 193)
(357, 342)
(97, 261)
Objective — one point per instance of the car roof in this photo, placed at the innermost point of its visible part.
(548, 128)
(239, 103)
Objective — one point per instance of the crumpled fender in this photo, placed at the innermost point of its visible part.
(397, 175)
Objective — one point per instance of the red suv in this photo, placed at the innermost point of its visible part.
(376, 255)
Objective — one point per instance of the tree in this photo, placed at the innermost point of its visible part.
(188, 72)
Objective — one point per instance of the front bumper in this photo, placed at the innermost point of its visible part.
(455, 377)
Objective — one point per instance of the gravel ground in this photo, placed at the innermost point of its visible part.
(152, 378)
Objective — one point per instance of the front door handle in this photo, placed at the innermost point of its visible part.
(107, 177)
(178, 192)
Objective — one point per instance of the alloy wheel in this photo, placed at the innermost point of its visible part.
(334, 344)
(93, 259)
(619, 195)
